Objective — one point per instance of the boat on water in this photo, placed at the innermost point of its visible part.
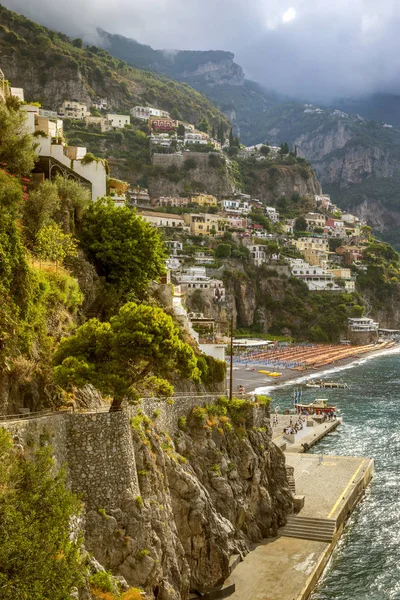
(326, 384)
(317, 407)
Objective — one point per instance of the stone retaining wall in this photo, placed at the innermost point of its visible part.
(97, 449)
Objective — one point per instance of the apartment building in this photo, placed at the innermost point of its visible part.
(164, 220)
(204, 224)
(72, 109)
(118, 121)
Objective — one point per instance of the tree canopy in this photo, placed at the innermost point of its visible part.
(125, 249)
(16, 144)
(38, 559)
(127, 356)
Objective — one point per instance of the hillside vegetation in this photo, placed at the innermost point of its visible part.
(60, 68)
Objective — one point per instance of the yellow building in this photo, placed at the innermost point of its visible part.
(204, 200)
(204, 224)
(316, 257)
(314, 243)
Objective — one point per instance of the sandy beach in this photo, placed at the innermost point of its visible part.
(252, 380)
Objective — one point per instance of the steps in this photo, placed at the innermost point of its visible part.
(307, 528)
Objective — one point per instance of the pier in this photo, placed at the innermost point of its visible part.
(288, 566)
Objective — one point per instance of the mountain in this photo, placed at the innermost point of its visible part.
(51, 68)
(355, 159)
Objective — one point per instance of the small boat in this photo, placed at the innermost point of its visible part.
(326, 384)
(274, 374)
(264, 372)
(318, 407)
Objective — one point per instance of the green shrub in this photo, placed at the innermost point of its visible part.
(102, 581)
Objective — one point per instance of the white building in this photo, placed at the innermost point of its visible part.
(272, 213)
(317, 279)
(74, 109)
(118, 121)
(100, 103)
(146, 112)
(258, 254)
(51, 114)
(363, 324)
(195, 138)
(18, 93)
(64, 160)
(174, 246)
(164, 220)
(195, 278)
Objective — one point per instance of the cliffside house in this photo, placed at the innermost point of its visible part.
(195, 138)
(204, 224)
(317, 279)
(146, 112)
(138, 195)
(102, 122)
(315, 220)
(345, 276)
(362, 330)
(74, 110)
(100, 103)
(195, 278)
(164, 220)
(204, 200)
(175, 201)
(57, 158)
(118, 121)
(271, 213)
(350, 254)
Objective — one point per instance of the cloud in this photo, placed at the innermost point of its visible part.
(315, 50)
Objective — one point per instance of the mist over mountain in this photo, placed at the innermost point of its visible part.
(316, 51)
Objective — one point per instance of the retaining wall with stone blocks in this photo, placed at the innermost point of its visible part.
(101, 458)
(97, 448)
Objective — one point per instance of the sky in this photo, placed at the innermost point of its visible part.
(311, 49)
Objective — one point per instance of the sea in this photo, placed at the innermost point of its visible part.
(365, 564)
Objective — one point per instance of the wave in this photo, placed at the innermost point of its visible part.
(358, 361)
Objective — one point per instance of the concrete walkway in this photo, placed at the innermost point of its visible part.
(307, 435)
(286, 568)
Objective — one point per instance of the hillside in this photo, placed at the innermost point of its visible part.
(352, 156)
(60, 69)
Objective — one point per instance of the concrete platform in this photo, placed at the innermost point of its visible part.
(305, 438)
(288, 568)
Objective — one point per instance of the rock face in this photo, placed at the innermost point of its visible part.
(282, 180)
(172, 177)
(204, 496)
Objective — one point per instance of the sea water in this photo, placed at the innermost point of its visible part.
(365, 564)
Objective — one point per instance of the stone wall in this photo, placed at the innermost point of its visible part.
(101, 458)
(97, 449)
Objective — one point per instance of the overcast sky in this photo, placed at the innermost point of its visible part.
(315, 49)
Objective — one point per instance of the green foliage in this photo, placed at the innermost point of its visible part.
(204, 125)
(125, 249)
(139, 501)
(54, 55)
(143, 553)
(53, 244)
(37, 557)
(223, 251)
(16, 145)
(129, 355)
(102, 581)
(265, 150)
(300, 224)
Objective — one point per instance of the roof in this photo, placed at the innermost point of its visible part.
(149, 213)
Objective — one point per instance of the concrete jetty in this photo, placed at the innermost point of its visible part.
(288, 567)
(312, 432)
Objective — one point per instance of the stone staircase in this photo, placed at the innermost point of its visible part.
(307, 528)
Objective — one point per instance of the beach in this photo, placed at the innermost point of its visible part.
(255, 382)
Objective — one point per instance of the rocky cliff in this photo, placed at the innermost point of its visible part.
(185, 173)
(168, 506)
(269, 181)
